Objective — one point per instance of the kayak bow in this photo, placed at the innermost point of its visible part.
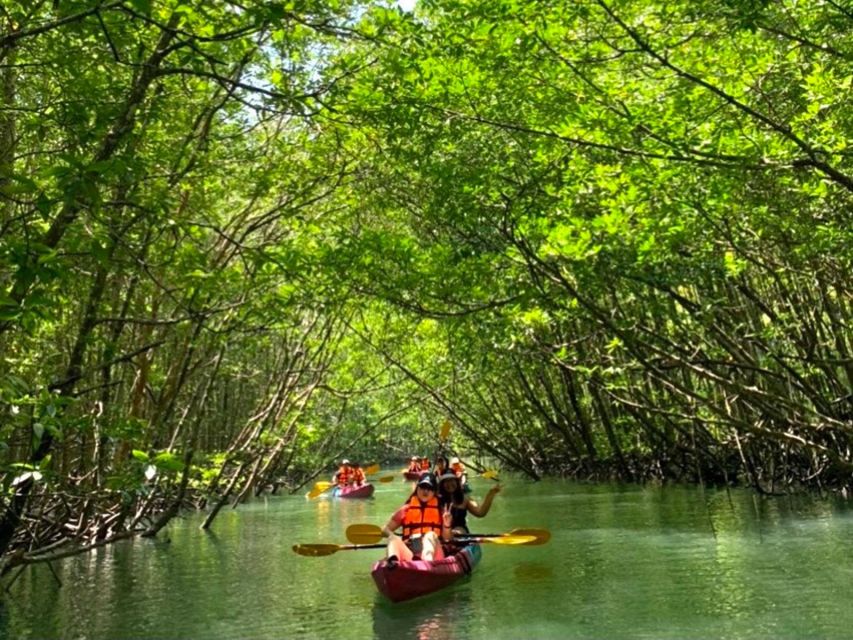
(415, 578)
(363, 491)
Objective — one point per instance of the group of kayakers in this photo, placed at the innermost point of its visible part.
(349, 474)
(418, 465)
(434, 513)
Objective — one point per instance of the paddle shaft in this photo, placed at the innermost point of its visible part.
(370, 533)
(318, 550)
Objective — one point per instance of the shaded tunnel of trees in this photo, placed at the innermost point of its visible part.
(239, 240)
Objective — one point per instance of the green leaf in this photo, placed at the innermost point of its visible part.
(168, 461)
(142, 6)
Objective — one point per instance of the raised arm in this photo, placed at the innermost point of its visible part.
(480, 510)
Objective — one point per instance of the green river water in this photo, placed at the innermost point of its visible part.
(623, 562)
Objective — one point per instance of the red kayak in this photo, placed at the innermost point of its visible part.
(412, 475)
(362, 491)
(407, 580)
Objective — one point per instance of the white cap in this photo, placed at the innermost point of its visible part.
(454, 461)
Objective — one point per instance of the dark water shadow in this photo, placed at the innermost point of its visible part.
(438, 616)
(529, 573)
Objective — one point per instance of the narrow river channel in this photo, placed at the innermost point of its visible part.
(623, 562)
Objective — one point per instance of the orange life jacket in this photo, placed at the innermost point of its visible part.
(358, 476)
(421, 517)
(458, 469)
(344, 476)
(414, 465)
(425, 464)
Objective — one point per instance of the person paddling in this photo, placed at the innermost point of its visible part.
(425, 525)
(343, 476)
(453, 497)
(357, 475)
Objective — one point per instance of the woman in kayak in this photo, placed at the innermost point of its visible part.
(440, 466)
(451, 496)
(425, 525)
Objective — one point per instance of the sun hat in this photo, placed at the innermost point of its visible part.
(449, 475)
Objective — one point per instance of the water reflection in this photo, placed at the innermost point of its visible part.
(439, 616)
(640, 562)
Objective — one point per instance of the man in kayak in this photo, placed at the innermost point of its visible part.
(357, 474)
(414, 465)
(343, 476)
(457, 468)
(424, 525)
(452, 497)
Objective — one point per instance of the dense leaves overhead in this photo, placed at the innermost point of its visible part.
(242, 239)
(648, 201)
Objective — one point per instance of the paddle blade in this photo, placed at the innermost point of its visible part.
(374, 468)
(319, 489)
(364, 533)
(316, 550)
(540, 536)
(510, 540)
(444, 431)
(387, 478)
(490, 474)
(526, 537)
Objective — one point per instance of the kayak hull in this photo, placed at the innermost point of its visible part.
(412, 475)
(417, 578)
(363, 491)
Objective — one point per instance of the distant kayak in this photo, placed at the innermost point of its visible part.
(362, 491)
(412, 475)
(415, 578)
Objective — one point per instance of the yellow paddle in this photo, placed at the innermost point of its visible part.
(444, 431)
(489, 474)
(537, 536)
(319, 489)
(370, 533)
(503, 539)
(317, 550)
